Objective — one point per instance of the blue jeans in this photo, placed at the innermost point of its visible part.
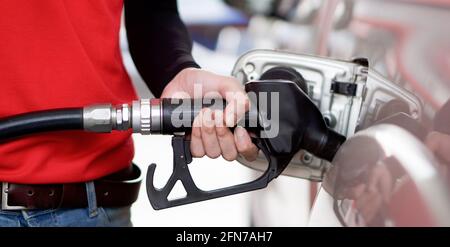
(62, 217)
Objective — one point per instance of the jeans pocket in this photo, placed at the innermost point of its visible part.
(9, 219)
(117, 217)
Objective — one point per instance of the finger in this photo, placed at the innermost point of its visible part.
(225, 137)
(197, 149)
(209, 137)
(237, 105)
(237, 100)
(244, 144)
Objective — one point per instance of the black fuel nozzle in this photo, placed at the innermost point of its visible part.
(287, 109)
(299, 116)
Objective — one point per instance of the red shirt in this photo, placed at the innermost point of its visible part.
(53, 54)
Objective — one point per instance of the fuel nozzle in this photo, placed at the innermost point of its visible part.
(301, 124)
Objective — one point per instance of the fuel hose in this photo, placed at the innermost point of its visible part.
(41, 121)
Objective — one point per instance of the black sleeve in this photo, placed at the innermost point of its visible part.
(159, 42)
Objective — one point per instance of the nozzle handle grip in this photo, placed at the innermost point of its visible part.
(177, 115)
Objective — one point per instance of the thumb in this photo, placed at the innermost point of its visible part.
(182, 85)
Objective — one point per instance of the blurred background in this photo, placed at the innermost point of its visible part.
(405, 40)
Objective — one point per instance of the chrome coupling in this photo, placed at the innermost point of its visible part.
(98, 118)
(105, 118)
(144, 117)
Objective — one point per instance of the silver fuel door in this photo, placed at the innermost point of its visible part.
(349, 94)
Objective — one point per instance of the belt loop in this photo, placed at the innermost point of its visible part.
(92, 199)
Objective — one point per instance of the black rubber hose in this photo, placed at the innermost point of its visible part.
(41, 121)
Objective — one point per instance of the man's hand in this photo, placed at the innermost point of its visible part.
(210, 133)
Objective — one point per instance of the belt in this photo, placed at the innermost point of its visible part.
(117, 190)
